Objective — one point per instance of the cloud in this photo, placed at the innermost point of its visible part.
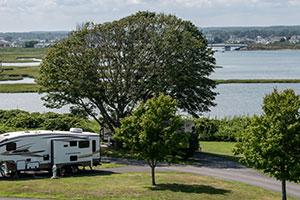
(25, 15)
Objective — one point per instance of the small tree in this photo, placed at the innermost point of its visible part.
(153, 131)
(271, 142)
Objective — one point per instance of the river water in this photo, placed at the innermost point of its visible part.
(24, 80)
(21, 64)
(233, 99)
(284, 64)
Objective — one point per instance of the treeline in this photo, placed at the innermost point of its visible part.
(273, 46)
(15, 120)
(222, 34)
(40, 35)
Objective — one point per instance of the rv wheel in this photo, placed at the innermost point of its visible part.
(74, 169)
(62, 171)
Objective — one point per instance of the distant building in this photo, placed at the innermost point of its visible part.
(42, 45)
(294, 39)
(4, 43)
(17, 44)
(261, 40)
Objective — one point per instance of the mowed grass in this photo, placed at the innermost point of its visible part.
(221, 148)
(19, 88)
(108, 185)
(12, 54)
(18, 73)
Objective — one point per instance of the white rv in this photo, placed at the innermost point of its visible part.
(41, 150)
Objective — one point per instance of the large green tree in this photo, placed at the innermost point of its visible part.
(108, 68)
(153, 131)
(271, 142)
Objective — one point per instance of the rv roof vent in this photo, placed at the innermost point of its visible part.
(76, 130)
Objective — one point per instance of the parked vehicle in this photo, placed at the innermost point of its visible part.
(43, 150)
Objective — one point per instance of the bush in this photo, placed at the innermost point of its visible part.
(207, 128)
(227, 129)
(8, 114)
(13, 120)
(27, 121)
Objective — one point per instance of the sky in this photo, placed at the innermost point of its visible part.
(54, 15)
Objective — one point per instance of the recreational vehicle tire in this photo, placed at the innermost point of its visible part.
(68, 170)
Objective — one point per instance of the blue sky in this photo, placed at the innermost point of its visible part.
(33, 15)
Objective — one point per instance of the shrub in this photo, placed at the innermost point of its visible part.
(12, 120)
(227, 129)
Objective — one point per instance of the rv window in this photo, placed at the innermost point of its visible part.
(73, 158)
(46, 157)
(84, 144)
(73, 143)
(94, 146)
(11, 146)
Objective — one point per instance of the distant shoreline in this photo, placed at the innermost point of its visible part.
(256, 47)
(242, 81)
(29, 87)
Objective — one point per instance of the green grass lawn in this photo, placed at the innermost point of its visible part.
(18, 88)
(221, 148)
(107, 185)
(12, 54)
(18, 73)
(109, 165)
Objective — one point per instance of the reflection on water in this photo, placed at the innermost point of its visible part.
(24, 80)
(233, 99)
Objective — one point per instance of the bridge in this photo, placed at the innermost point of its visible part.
(227, 47)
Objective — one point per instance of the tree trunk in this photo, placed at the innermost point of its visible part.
(283, 185)
(153, 175)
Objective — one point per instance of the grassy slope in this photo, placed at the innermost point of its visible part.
(16, 88)
(175, 186)
(11, 54)
(18, 73)
(221, 148)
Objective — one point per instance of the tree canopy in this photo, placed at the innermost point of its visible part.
(271, 142)
(153, 131)
(108, 68)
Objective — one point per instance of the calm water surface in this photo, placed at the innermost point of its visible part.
(24, 80)
(26, 101)
(233, 99)
(244, 99)
(21, 64)
(283, 64)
